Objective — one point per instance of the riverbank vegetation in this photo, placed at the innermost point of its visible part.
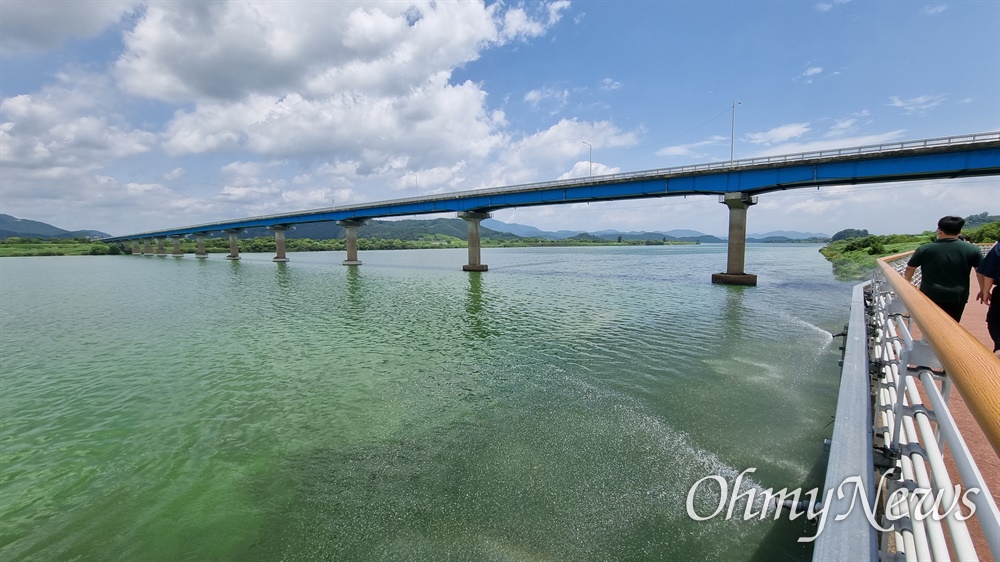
(22, 247)
(854, 257)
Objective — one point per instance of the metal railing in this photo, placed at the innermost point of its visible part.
(914, 354)
(710, 166)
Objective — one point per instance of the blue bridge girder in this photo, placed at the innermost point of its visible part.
(946, 157)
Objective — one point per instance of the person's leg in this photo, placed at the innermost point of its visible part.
(993, 318)
(954, 309)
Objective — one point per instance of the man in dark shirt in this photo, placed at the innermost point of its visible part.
(946, 265)
(988, 275)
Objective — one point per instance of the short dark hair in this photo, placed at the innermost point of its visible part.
(951, 225)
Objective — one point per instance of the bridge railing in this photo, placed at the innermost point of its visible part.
(710, 166)
(915, 353)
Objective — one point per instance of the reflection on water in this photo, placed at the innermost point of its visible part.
(558, 406)
(734, 312)
(475, 317)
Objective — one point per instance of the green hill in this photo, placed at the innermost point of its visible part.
(13, 227)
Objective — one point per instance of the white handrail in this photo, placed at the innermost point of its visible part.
(906, 374)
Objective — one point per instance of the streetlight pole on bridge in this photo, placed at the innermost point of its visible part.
(732, 135)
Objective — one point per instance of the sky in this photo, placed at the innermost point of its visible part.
(129, 116)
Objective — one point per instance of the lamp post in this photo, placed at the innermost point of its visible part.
(591, 157)
(732, 135)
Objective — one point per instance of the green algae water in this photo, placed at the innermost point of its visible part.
(557, 407)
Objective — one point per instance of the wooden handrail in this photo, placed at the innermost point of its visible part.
(973, 368)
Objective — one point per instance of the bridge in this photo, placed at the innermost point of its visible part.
(737, 183)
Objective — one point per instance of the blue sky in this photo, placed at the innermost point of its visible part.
(127, 116)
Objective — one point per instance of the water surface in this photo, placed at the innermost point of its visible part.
(556, 407)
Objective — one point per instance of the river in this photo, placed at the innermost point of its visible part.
(558, 407)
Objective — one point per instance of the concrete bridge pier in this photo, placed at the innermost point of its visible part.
(134, 247)
(177, 247)
(279, 242)
(147, 247)
(234, 243)
(161, 251)
(738, 204)
(351, 229)
(472, 219)
(200, 242)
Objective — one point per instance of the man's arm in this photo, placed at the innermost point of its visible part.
(985, 288)
(908, 274)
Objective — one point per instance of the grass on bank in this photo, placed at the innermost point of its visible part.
(25, 247)
(854, 258)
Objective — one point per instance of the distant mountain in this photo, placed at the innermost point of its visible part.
(786, 240)
(694, 236)
(413, 229)
(23, 228)
(409, 229)
(790, 234)
(644, 235)
(530, 231)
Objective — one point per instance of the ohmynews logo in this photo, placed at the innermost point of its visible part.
(923, 502)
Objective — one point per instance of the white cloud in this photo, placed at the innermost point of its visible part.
(827, 6)
(144, 187)
(779, 134)
(252, 193)
(692, 150)
(54, 143)
(31, 26)
(919, 104)
(584, 168)
(841, 127)
(831, 143)
(609, 84)
(810, 73)
(542, 156)
(551, 96)
(230, 50)
(935, 10)
(518, 24)
(175, 174)
(442, 122)
(66, 125)
(848, 125)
